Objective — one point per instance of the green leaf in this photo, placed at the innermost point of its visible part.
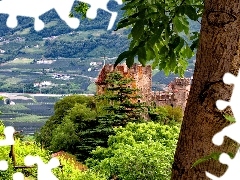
(130, 61)
(127, 21)
(214, 155)
(187, 52)
(166, 71)
(162, 65)
(180, 10)
(180, 45)
(121, 57)
(177, 24)
(194, 44)
(230, 118)
(172, 62)
(142, 55)
(191, 12)
(150, 54)
(185, 24)
(163, 50)
(137, 30)
(175, 42)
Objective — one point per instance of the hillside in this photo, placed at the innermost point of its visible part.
(73, 54)
(91, 39)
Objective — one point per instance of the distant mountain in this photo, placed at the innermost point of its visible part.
(91, 39)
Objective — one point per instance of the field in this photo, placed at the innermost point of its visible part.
(30, 111)
(20, 74)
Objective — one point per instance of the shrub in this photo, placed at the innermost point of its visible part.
(166, 114)
(139, 151)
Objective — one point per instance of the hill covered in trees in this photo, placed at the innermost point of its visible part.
(90, 39)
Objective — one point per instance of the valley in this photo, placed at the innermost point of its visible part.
(41, 67)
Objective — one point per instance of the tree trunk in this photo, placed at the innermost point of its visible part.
(217, 54)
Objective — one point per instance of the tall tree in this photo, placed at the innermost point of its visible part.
(217, 54)
(159, 32)
(61, 109)
(122, 100)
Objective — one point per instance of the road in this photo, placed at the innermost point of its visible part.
(26, 96)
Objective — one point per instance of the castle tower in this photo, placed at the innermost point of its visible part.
(142, 78)
(181, 88)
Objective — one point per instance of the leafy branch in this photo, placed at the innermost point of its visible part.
(160, 33)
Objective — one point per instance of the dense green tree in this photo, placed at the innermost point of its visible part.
(121, 99)
(138, 151)
(71, 133)
(61, 109)
(115, 107)
(166, 114)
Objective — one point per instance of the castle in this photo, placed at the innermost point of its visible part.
(176, 93)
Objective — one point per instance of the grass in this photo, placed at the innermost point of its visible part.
(11, 82)
(51, 24)
(92, 88)
(29, 118)
(23, 32)
(9, 108)
(72, 159)
(33, 50)
(19, 61)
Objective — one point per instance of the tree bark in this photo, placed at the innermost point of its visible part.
(218, 53)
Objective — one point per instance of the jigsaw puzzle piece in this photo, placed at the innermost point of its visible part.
(232, 172)
(231, 131)
(44, 170)
(9, 140)
(229, 78)
(63, 9)
(3, 165)
(95, 5)
(18, 176)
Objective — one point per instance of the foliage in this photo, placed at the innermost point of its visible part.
(70, 134)
(61, 109)
(24, 148)
(166, 114)
(118, 107)
(160, 33)
(138, 151)
(80, 124)
(114, 108)
(230, 118)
